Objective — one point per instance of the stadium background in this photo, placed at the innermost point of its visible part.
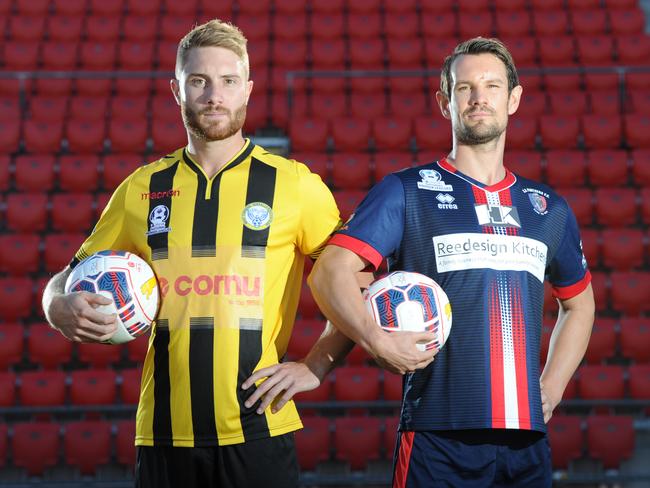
(346, 86)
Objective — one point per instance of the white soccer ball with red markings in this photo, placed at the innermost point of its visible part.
(406, 301)
(126, 279)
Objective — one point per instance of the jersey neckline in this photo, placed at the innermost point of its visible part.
(243, 153)
(508, 180)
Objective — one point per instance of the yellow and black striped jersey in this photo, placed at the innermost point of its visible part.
(228, 252)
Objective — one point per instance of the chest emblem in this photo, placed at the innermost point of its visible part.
(158, 220)
(432, 180)
(446, 201)
(500, 216)
(539, 203)
(257, 216)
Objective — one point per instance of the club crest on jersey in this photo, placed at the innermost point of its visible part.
(257, 216)
(158, 220)
(497, 215)
(539, 203)
(432, 180)
(446, 201)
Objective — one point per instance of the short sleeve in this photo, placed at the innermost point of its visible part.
(110, 230)
(568, 271)
(376, 228)
(319, 216)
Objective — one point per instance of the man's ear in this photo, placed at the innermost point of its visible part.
(176, 89)
(443, 103)
(514, 98)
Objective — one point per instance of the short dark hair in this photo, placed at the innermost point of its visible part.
(479, 45)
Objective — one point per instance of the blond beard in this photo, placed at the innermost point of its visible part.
(213, 131)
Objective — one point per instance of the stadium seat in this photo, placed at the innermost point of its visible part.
(392, 386)
(308, 134)
(98, 55)
(42, 388)
(72, 212)
(127, 135)
(327, 27)
(26, 28)
(388, 162)
(524, 163)
(128, 108)
(21, 55)
(347, 201)
(566, 439)
(10, 109)
(357, 440)
(65, 27)
(12, 341)
(634, 336)
(630, 292)
(5, 177)
(117, 167)
(26, 212)
(607, 167)
(639, 381)
(616, 207)
(290, 27)
(19, 253)
(515, 23)
(16, 297)
(59, 249)
(595, 50)
(78, 173)
(85, 136)
(125, 443)
(48, 108)
(645, 205)
(605, 101)
(366, 53)
(367, 107)
(572, 103)
(168, 135)
(7, 388)
(364, 26)
(565, 168)
(87, 445)
(9, 136)
(305, 333)
(636, 128)
(98, 355)
(591, 246)
(351, 134)
(47, 347)
(88, 108)
(42, 136)
(328, 106)
(34, 172)
(93, 387)
(351, 171)
(589, 22)
(357, 384)
(626, 21)
(522, 130)
(103, 28)
(136, 350)
(307, 307)
(524, 50)
(407, 105)
(317, 162)
(432, 132)
(289, 54)
(59, 55)
(392, 133)
(357, 356)
(550, 23)
(610, 438)
(35, 446)
(601, 287)
(138, 29)
(328, 54)
(403, 27)
(437, 27)
(32, 8)
(477, 23)
(602, 131)
(129, 386)
(69, 7)
(633, 49)
(638, 101)
(603, 342)
(623, 249)
(598, 382)
(313, 442)
(559, 132)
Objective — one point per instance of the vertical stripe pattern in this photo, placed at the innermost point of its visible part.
(403, 459)
(201, 359)
(158, 236)
(261, 189)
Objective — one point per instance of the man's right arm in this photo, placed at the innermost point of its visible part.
(334, 287)
(74, 314)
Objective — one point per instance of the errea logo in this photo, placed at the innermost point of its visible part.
(446, 201)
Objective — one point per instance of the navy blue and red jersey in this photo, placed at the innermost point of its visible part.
(490, 248)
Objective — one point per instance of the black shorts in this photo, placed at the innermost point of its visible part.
(270, 463)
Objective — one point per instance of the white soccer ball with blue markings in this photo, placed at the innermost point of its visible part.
(126, 279)
(406, 301)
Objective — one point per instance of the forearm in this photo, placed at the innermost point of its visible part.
(330, 349)
(53, 290)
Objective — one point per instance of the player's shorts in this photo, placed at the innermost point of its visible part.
(472, 458)
(267, 462)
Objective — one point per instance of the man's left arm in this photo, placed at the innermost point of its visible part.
(569, 342)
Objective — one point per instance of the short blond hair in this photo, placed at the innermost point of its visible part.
(214, 33)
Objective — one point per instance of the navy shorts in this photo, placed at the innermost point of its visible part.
(472, 458)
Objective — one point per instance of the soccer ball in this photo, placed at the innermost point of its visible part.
(129, 281)
(405, 301)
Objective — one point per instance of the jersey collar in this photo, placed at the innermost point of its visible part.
(243, 153)
(506, 182)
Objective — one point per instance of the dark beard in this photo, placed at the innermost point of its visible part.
(213, 132)
(472, 136)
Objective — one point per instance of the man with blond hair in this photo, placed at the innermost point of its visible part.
(233, 224)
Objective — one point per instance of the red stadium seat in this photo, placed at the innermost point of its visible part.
(515, 23)
(129, 386)
(571, 103)
(630, 292)
(127, 135)
(87, 445)
(59, 55)
(626, 21)
(403, 26)
(317, 162)
(10, 109)
(559, 132)
(638, 101)
(35, 446)
(616, 207)
(19, 253)
(602, 343)
(595, 50)
(566, 438)
(366, 53)
(639, 381)
(119, 166)
(290, 27)
(103, 28)
(600, 82)
(610, 438)
(328, 106)
(42, 388)
(533, 104)
(601, 287)
(404, 52)
(351, 134)
(128, 108)
(597, 382)
(42, 136)
(34, 172)
(168, 135)
(136, 350)
(347, 201)
(305, 334)
(438, 27)
(60, 249)
(635, 334)
(589, 22)
(399, 6)
(389, 162)
(408, 104)
(308, 134)
(34, 8)
(143, 7)
(16, 297)
(47, 347)
(602, 131)
(93, 387)
(21, 55)
(9, 136)
(4, 172)
(328, 53)
(436, 5)
(478, 23)
(392, 133)
(591, 246)
(607, 167)
(88, 108)
(110, 7)
(27, 28)
(351, 171)
(48, 108)
(432, 132)
(565, 168)
(327, 27)
(550, 23)
(623, 249)
(98, 55)
(72, 212)
(65, 27)
(473, 5)
(357, 356)
(11, 344)
(78, 172)
(137, 29)
(7, 388)
(175, 26)
(357, 384)
(636, 129)
(367, 106)
(85, 136)
(98, 355)
(525, 163)
(633, 50)
(562, 81)
(645, 205)
(313, 442)
(392, 386)
(125, 443)
(289, 54)
(357, 440)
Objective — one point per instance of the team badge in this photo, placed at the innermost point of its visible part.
(432, 180)
(158, 220)
(257, 216)
(539, 203)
